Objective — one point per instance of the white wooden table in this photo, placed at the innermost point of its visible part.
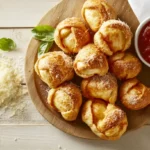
(29, 130)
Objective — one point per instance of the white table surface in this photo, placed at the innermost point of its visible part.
(29, 130)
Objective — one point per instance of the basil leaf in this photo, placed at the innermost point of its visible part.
(44, 33)
(44, 47)
(7, 44)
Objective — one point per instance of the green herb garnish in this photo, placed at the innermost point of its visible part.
(44, 47)
(7, 44)
(45, 34)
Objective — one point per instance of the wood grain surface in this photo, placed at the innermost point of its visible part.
(23, 13)
(50, 138)
(69, 8)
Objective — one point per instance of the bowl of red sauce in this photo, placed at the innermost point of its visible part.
(142, 41)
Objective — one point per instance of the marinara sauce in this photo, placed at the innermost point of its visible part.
(144, 42)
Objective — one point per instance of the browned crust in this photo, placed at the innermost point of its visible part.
(81, 33)
(125, 65)
(101, 84)
(138, 100)
(75, 96)
(104, 9)
(106, 48)
(113, 117)
(59, 68)
(92, 59)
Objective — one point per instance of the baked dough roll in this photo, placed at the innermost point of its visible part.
(103, 87)
(66, 99)
(113, 36)
(90, 61)
(134, 95)
(106, 120)
(125, 65)
(54, 68)
(71, 35)
(95, 12)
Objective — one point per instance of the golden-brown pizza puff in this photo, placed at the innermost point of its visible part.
(71, 35)
(106, 120)
(66, 99)
(90, 61)
(103, 87)
(95, 12)
(125, 65)
(134, 95)
(54, 68)
(113, 36)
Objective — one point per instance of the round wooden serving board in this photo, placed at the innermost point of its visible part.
(38, 90)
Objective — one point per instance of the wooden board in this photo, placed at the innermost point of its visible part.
(69, 8)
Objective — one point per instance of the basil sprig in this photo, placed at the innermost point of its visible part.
(7, 44)
(44, 47)
(45, 34)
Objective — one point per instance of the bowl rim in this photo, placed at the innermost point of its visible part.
(143, 23)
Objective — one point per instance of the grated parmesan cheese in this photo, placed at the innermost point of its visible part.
(10, 82)
(12, 102)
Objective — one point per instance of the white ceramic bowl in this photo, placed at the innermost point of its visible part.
(140, 27)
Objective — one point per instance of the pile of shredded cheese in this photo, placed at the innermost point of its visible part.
(10, 82)
(11, 91)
